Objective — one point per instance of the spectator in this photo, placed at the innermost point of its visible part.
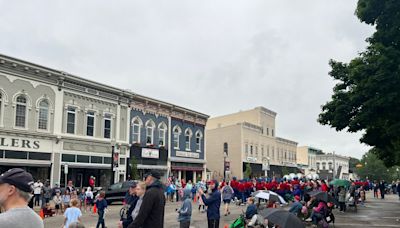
(178, 185)
(151, 213)
(82, 199)
(72, 214)
(15, 189)
(227, 195)
(37, 191)
(185, 212)
(46, 193)
(296, 206)
(66, 198)
(101, 205)
(57, 202)
(342, 199)
(213, 204)
(89, 199)
(251, 212)
(130, 206)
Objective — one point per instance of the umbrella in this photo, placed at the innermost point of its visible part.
(269, 195)
(340, 182)
(283, 218)
(320, 195)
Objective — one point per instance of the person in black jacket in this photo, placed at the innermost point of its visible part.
(131, 201)
(151, 213)
(213, 203)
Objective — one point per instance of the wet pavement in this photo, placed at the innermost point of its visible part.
(375, 213)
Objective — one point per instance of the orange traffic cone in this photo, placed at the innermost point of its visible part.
(94, 209)
(41, 213)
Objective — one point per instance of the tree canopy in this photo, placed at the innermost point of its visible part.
(367, 95)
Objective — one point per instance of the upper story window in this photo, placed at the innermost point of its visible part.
(188, 138)
(90, 123)
(71, 112)
(107, 126)
(246, 149)
(256, 150)
(267, 131)
(162, 132)
(20, 113)
(177, 133)
(317, 164)
(150, 132)
(330, 166)
(323, 165)
(273, 152)
(136, 125)
(272, 132)
(199, 136)
(43, 122)
(251, 150)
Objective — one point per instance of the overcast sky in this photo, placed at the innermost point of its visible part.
(215, 57)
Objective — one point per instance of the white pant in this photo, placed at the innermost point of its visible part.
(256, 219)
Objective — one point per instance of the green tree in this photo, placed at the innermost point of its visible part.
(373, 168)
(134, 170)
(247, 171)
(367, 95)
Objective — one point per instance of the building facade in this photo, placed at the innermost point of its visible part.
(307, 159)
(250, 137)
(168, 138)
(331, 166)
(62, 127)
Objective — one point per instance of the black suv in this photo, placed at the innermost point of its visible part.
(117, 192)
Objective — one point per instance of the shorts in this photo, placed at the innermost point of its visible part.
(89, 201)
(57, 206)
(227, 201)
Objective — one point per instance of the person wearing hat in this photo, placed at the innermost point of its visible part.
(130, 204)
(15, 193)
(213, 203)
(296, 206)
(151, 213)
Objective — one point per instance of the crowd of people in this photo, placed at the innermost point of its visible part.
(145, 200)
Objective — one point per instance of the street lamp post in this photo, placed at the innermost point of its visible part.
(112, 163)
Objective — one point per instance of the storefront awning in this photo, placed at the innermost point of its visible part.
(31, 163)
(187, 160)
(161, 167)
(187, 168)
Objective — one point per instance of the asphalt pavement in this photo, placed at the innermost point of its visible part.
(375, 213)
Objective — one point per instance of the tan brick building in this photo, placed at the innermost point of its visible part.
(251, 139)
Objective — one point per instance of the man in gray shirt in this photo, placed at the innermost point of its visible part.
(15, 193)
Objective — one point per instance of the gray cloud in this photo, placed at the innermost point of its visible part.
(215, 57)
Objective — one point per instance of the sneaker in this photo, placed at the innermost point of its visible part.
(308, 220)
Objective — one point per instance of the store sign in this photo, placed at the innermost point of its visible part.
(19, 143)
(251, 159)
(187, 154)
(150, 153)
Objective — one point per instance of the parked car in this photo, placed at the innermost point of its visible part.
(117, 192)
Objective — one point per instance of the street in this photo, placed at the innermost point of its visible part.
(376, 213)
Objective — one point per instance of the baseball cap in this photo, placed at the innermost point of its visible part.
(153, 173)
(19, 178)
(297, 198)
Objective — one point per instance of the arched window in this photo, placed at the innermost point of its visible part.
(199, 137)
(150, 132)
(20, 112)
(188, 137)
(136, 125)
(162, 132)
(177, 133)
(43, 121)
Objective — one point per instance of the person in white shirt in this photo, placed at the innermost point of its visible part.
(89, 199)
(37, 191)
